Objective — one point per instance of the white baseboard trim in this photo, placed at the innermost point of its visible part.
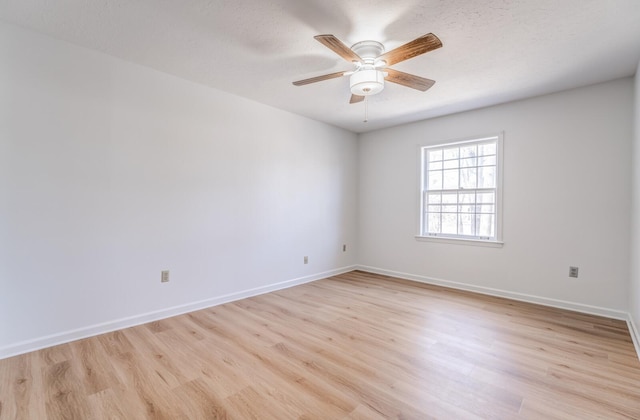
(635, 335)
(556, 303)
(92, 330)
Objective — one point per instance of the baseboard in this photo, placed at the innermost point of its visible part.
(92, 330)
(635, 336)
(556, 303)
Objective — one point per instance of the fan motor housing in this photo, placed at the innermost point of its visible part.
(368, 50)
(366, 82)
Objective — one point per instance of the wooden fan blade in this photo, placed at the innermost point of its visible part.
(408, 80)
(411, 49)
(319, 78)
(335, 45)
(355, 99)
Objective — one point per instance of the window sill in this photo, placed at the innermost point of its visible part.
(459, 241)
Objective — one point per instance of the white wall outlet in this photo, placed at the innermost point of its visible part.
(573, 272)
(306, 259)
(164, 276)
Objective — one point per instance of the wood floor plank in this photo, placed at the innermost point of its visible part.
(23, 381)
(353, 346)
(64, 397)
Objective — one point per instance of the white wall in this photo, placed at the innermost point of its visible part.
(634, 289)
(567, 173)
(111, 172)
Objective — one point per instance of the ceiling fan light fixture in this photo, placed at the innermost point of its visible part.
(372, 65)
(366, 82)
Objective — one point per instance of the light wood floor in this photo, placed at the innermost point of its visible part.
(354, 346)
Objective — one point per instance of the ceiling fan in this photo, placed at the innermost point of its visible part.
(372, 65)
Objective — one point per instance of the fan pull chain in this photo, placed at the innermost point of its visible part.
(366, 109)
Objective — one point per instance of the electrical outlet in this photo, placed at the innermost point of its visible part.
(164, 276)
(573, 272)
(306, 259)
(344, 248)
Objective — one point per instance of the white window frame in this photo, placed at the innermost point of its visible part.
(423, 176)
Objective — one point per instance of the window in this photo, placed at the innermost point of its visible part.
(460, 190)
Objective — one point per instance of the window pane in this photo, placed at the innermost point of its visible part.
(450, 198)
(485, 225)
(467, 208)
(450, 224)
(434, 198)
(435, 180)
(487, 149)
(467, 198)
(435, 166)
(450, 209)
(433, 223)
(435, 154)
(486, 208)
(487, 160)
(468, 151)
(466, 163)
(450, 179)
(468, 178)
(435, 208)
(449, 164)
(451, 153)
(487, 197)
(467, 225)
(487, 177)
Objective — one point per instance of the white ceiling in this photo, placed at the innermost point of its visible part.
(494, 50)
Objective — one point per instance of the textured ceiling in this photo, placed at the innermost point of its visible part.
(494, 50)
